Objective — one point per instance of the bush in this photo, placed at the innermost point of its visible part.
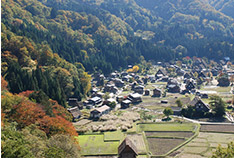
(167, 111)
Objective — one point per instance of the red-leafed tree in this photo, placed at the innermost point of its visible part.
(58, 110)
(57, 125)
(26, 93)
(27, 113)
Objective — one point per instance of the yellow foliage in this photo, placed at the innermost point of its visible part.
(135, 68)
(85, 82)
(130, 70)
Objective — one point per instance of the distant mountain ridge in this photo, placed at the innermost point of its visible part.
(224, 6)
(120, 31)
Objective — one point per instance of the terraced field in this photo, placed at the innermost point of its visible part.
(169, 134)
(206, 142)
(218, 128)
(152, 139)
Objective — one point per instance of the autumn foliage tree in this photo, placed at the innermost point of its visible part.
(58, 110)
(57, 125)
(134, 69)
(3, 84)
(27, 113)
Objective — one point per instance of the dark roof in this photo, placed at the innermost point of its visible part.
(157, 89)
(75, 112)
(194, 101)
(190, 82)
(162, 71)
(187, 75)
(197, 99)
(127, 142)
(72, 99)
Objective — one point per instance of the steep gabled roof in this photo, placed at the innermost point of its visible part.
(127, 143)
(198, 99)
(162, 71)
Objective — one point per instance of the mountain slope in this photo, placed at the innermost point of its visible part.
(224, 6)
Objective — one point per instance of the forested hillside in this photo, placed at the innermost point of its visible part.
(57, 41)
(35, 126)
(224, 6)
(193, 24)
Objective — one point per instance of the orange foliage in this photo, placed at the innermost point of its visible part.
(26, 93)
(3, 84)
(17, 22)
(2, 118)
(58, 110)
(134, 69)
(130, 70)
(28, 113)
(57, 125)
(8, 55)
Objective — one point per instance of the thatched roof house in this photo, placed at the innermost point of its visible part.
(127, 149)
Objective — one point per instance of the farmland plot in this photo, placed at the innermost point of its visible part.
(161, 146)
(218, 128)
(169, 134)
(203, 145)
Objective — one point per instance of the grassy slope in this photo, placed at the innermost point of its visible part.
(95, 145)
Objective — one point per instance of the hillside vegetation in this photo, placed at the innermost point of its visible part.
(50, 45)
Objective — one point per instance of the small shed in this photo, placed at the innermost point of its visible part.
(127, 149)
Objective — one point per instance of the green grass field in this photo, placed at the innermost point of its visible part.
(114, 136)
(166, 127)
(95, 145)
(217, 89)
